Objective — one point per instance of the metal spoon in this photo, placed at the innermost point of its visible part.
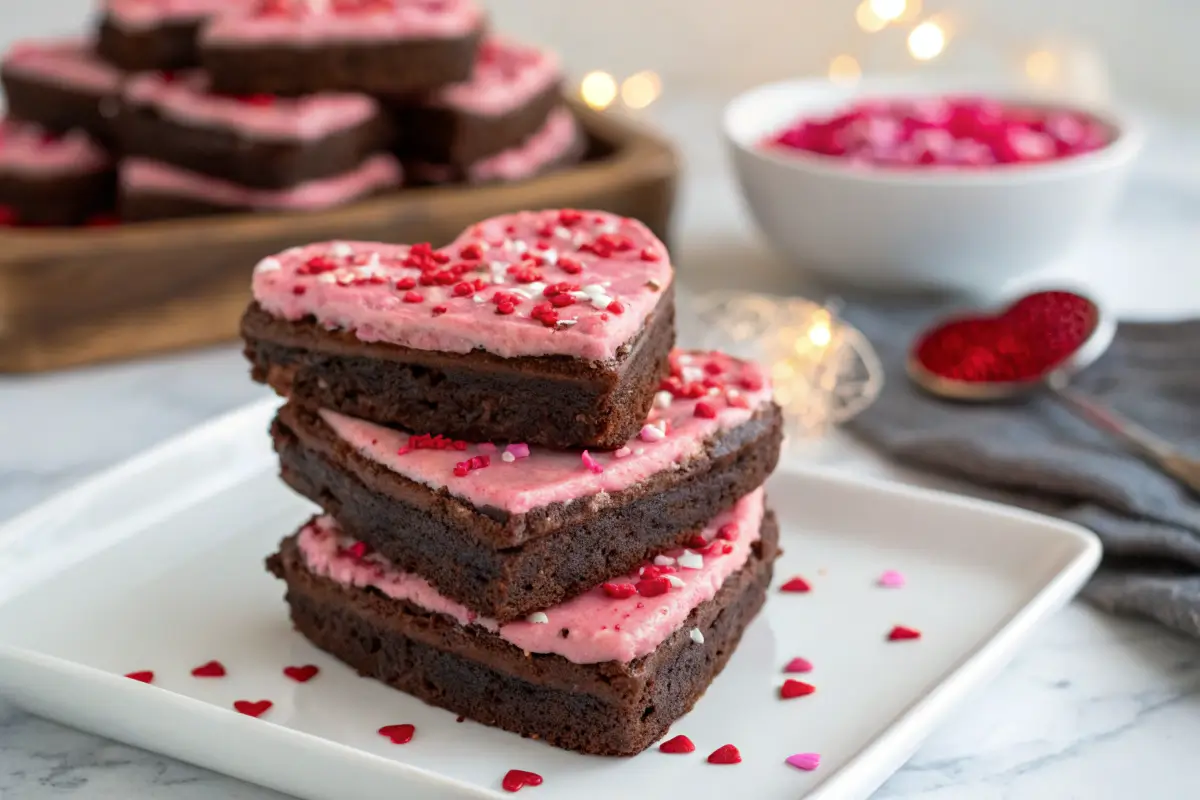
(1148, 445)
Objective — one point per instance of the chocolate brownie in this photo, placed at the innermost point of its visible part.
(563, 676)
(519, 534)
(260, 142)
(47, 179)
(61, 85)
(510, 95)
(151, 190)
(558, 144)
(376, 46)
(549, 327)
(139, 35)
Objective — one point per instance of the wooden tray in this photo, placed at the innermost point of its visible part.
(76, 296)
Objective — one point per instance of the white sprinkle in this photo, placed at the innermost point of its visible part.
(518, 246)
(478, 298)
(551, 256)
(692, 374)
(601, 301)
(663, 399)
(517, 290)
(507, 457)
(538, 618)
(373, 260)
(664, 561)
(594, 288)
(651, 433)
(686, 358)
(674, 580)
(341, 250)
(609, 227)
(578, 238)
(536, 287)
(690, 560)
(566, 323)
(562, 233)
(326, 277)
(696, 635)
(484, 246)
(713, 391)
(268, 265)
(621, 452)
(638, 451)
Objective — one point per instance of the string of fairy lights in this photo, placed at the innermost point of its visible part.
(926, 38)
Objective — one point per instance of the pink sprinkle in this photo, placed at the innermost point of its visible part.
(798, 665)
(520, 450)
(591, 463)
(805, 761)
(891, 579)
(622, 452)
(487, 447)
(651, 433)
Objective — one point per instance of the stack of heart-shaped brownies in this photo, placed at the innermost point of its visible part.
(179, 108)
(537, 514)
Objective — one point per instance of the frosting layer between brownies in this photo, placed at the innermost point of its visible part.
(574, 283)
(726, 391)
(305, 22)
(376, 173)
(153, 13)
(599, 626)
(506, 75)
(29, 150)
(70, 63)
(185, 98)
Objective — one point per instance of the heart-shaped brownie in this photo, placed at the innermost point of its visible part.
(571, 283)
(1022, 344)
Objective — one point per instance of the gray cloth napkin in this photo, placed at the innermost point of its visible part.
(1043, 457)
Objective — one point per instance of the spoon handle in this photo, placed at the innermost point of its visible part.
(1149, 445)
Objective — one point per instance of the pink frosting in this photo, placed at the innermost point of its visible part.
(27, 149)
(307, 21)
(152, 13)
(506, 75)
(621, 270)
(549, 144)
(600, 627)
(555, 476)
(377, 172)
(184, 97)
(65, 62)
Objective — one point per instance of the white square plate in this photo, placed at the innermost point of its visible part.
(158, 565)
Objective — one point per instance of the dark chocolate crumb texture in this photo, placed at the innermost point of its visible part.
(61, 84)
(507, 529)
(549, 327)
(382, 47)
(606, 673)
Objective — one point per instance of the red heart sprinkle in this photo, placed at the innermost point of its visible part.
(653, 587)
(252, 708)
(796, 584)
(145, 676)
(725, 754)
(302, 674)
(793, 688)
(619, 590)
(798, 664)
(517, 779)
(680, 744)
(213, 669)
(399, 734)
(901, 633)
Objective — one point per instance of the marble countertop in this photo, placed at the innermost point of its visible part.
(1093, 708)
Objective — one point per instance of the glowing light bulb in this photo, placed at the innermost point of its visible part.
(888, 10)
(926, 41)
(598, 89)
(1041, 66)
(867, 19)
(641, 89)
(844, 69)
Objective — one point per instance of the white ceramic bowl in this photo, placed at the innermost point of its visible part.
(917, 229)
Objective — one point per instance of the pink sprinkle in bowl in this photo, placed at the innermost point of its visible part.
(975, 229)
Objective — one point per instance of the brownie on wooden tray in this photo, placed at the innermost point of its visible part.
(260, 141)
(605, 673)
(61, 84)
(548, 327)
(47, 179)
(556, 145)
(506, 530)
(152, 190)
(142, 35)
(509, 97)
(375, 46)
